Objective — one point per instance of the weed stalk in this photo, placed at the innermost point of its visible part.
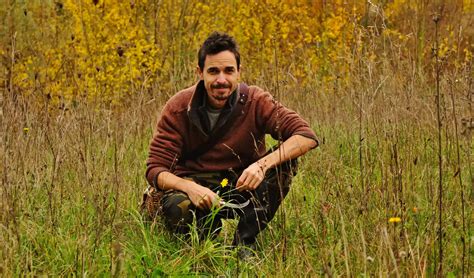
(439, 269)
(459, 175)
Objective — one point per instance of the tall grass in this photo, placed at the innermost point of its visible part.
(72, 178)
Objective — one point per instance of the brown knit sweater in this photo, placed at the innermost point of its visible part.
(184, 127)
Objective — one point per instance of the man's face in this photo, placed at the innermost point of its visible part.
(220, 75)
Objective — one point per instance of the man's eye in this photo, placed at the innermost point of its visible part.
(229, 70)
(212, 71)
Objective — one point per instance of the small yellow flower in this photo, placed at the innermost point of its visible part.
(26, 129)
(224, 182)
(394, 219)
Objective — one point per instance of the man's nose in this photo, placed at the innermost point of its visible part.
(221, 78)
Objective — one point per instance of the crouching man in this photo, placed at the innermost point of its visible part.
(208, 160)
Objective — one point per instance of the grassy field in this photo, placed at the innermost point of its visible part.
(72, 181)
(389, 192)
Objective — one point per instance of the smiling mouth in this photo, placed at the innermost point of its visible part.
(220, 86)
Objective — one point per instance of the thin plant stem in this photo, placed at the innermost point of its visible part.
(345, 244)
(439, 270)
(459, 174)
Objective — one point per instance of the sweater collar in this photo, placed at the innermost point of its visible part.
(197, 109)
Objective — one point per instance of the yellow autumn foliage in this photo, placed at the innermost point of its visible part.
(105, 50)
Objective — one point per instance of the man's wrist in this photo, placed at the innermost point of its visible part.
(187, 185)
(262, 164)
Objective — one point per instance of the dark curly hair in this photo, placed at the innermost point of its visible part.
(215, 43)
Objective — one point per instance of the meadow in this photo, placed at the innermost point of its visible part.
(389, 192)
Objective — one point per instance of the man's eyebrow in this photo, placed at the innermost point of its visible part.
(227, 68)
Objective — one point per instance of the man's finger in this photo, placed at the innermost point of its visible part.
(248, 182)
(243, 185)
(254, 184)
(241, 180)
(201, 203)
(204, 202)
(212, 200)
(208, 200)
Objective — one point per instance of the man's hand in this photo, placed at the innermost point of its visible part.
(202, 197)
(293, 147)
(251, 177)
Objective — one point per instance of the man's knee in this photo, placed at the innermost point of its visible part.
(177, 211)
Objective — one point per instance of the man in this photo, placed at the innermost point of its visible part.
(208, 154)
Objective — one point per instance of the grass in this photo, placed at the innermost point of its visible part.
(72, 183)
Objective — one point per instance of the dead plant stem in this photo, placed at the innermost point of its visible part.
(459, 174)
(440, 158)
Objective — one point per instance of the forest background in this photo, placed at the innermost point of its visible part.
(387, 85)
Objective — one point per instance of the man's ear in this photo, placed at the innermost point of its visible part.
(199, 72)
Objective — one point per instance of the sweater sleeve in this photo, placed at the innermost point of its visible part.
(280, 122)
(165, 147)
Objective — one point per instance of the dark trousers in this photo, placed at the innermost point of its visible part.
(179, 212)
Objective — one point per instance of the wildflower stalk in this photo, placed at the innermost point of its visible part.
(345, 244)
(361, 162)
(277, 88)
(439, 269)
(469, 152)
(459, 174)
(390, 249)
